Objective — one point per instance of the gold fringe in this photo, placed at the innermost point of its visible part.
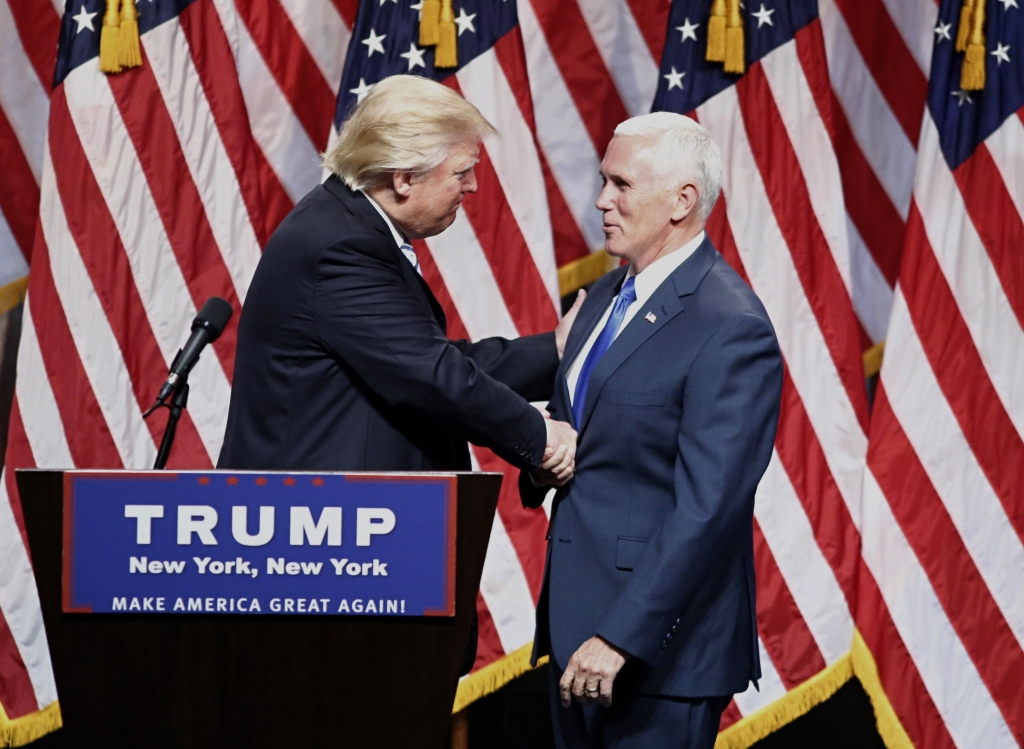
(128, 54)
(872, 359)
(579, 273)
(735, 61)
(110, 37)
(972, 74)
(12, 294)
(446, 54)
(31, 727)
(798, 701)
(494, 676)
(889, 727)
(428, 22)
(716, 33)
(963, 31)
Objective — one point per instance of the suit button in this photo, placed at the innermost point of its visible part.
(664, 645)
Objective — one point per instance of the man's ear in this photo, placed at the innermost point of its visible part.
(401, 182)
(686, 201)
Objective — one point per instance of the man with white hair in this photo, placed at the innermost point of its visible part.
(672, 377)
(343, 362)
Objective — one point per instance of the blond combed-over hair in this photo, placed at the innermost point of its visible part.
(406, 123)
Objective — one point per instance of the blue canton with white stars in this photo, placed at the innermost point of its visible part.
(687, 80)
(83, 19)
(966, 118)
(385, 41)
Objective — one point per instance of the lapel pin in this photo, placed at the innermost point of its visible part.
(650, 317)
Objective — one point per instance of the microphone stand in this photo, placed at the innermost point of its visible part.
(179, 401)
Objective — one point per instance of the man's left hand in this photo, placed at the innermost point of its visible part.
(562, 331)
(591, 672)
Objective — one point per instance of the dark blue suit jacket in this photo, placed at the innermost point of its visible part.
(343, 362)
(651, 544)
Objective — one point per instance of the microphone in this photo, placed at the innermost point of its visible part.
(206, 328)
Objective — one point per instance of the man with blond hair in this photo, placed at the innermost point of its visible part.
(672, 376)
(343, 361)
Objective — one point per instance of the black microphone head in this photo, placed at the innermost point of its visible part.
(213, 317)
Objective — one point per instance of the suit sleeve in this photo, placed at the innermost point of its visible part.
(366, 315)
(730, 415)
(527, 365)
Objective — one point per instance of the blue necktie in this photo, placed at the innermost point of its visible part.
(410, 255)
(627, 295)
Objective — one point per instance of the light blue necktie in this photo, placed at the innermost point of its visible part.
(627, 295)
(410, 255)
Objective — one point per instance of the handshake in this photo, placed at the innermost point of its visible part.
(559, 462)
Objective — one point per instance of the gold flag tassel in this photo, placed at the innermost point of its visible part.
(734, 58)
(129, 54)
(109, 38)
(963, 31)
(972, 74)
(446, 54)
(430, 15)
(716, 33)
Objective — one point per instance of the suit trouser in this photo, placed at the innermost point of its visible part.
(636, 721)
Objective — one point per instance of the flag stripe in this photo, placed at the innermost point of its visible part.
(783, 630)
(514, 164)
(770, 686)
(211, 51)
(110, 275)
(975, 508)
(967, 711)
(915, 19)
(621, 45)
(879, 134)
(582, 67)
(561, 132)
(323, 33)
(786, 527)
(38, 28)
(971, 609)
(19, 192)
(175, 198)
(892, 67)
(790, 201)
(1006, 145)
(431, 274)
(209, 165)
(965, 261)
(93, 338)
(651, 19)
(22, 97)
(303, 85)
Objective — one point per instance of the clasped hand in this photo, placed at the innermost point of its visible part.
(559, 460)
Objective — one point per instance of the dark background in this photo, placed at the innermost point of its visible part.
(517, 717)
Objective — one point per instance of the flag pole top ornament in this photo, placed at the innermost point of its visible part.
(119, 38)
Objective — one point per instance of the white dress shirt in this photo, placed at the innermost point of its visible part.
(404, 246)
(647, 282)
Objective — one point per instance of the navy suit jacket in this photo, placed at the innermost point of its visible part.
(343, 362)
(651, 543)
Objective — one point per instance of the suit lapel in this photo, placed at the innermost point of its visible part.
(665, 304)
(590, 315)
(360, 207)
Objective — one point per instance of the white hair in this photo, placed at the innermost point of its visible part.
(405, 124)
(683, 151)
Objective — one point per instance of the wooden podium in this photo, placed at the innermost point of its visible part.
(145, 680)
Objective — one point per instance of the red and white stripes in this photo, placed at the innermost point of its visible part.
(945, 481)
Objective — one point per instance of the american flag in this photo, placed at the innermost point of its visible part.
(941, 601)
(165, 182)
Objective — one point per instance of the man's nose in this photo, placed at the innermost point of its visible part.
(470, 184)
(604, 201)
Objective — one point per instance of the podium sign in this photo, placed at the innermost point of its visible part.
(238, 544)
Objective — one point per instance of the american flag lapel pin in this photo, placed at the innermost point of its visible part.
(650, 317)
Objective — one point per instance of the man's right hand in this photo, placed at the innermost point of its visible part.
(559, 461)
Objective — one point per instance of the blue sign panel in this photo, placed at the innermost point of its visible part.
(158, 542)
